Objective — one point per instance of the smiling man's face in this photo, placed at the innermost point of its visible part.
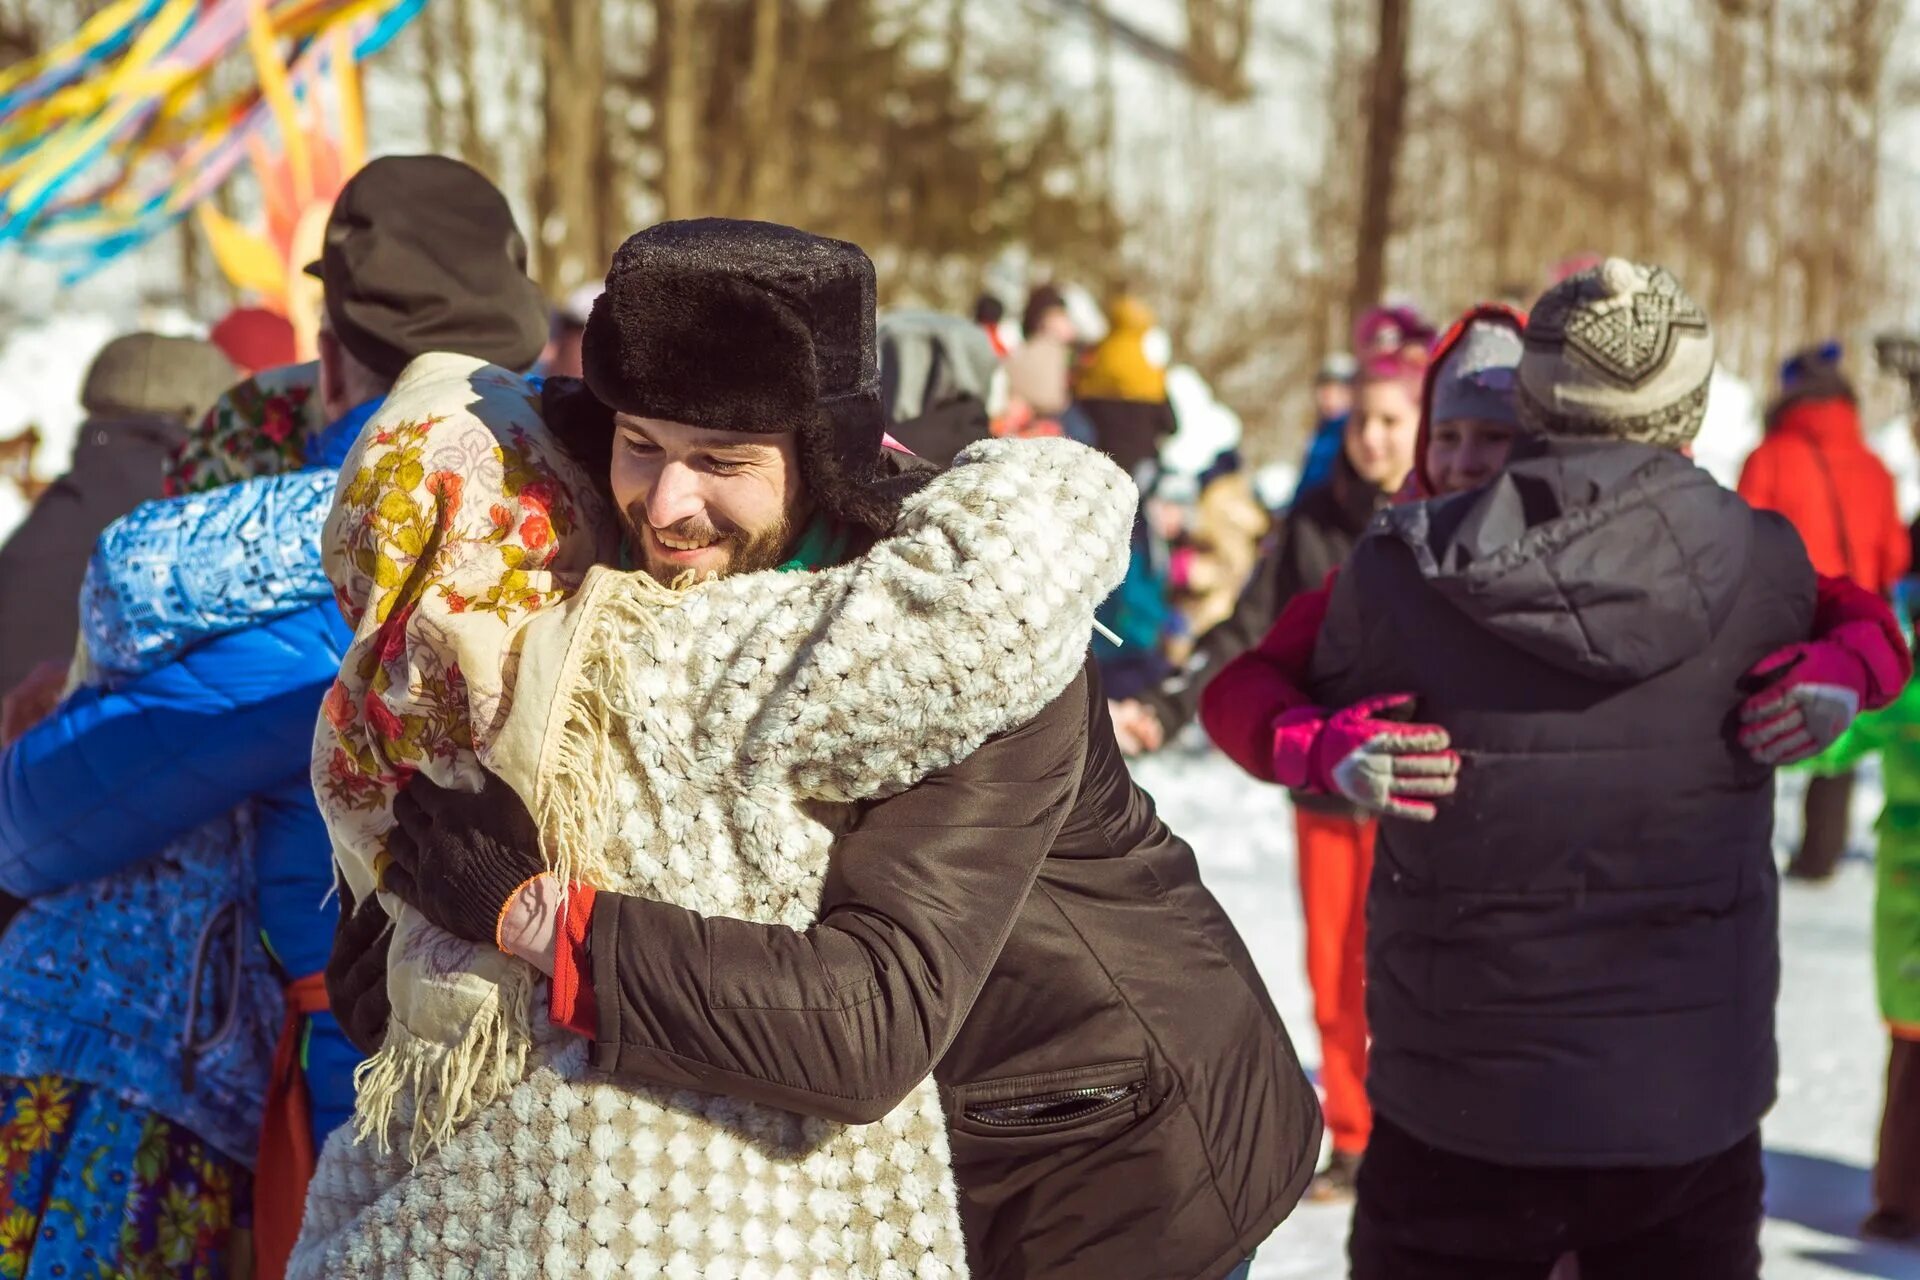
(710, 502)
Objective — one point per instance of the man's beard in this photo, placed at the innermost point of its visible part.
(746, 552)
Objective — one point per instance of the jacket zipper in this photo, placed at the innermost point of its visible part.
(1022, 1113)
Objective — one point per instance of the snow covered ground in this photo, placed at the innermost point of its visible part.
(1819, 1138)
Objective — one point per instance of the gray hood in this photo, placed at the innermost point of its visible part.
(1614, 561)
(929, 360)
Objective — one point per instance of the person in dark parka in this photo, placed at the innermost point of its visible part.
(140, 395)
(1573, 966)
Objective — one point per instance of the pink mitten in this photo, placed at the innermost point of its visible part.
(1816, 691)
(1383, 765)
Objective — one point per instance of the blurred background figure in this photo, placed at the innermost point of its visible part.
(1040, 368)
(991, 315)
(1219, 547)
(1121, 393)
(1332, 402)
(940, 382)
(561, 359)
(1814, 468)
(1893, 735)
(255, 339)
(141, 394)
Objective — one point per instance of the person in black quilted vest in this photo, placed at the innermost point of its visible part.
(1574, 963)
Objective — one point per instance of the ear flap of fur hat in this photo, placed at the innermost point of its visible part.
(753, 327)
(853, 484)
(582, 424)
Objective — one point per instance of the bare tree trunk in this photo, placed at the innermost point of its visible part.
(190, 256)
(474, 143)
(1777, 196)
(758, 123)
(1386, 131)
(1507, 184)
(1107, 96)
(433, 52)
(570, 245)
(956, 33)
(678, 46)
(1217, 32)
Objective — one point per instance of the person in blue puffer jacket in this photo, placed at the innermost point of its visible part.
(166, 808)
(144, 821)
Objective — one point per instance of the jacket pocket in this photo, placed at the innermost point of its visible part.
(1080, 1102)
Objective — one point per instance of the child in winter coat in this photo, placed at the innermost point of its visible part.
(1893, 734)
(1335, 842)
(1815, 468)
(1468, 430)
(1866, 646)
(1448, 1065)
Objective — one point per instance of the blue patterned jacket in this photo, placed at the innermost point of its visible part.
(161, 820)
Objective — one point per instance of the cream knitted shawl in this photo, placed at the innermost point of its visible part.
(666, 741)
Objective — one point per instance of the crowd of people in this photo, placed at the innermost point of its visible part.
(639, 787)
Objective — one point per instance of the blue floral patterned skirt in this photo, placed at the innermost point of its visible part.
(92, 1188)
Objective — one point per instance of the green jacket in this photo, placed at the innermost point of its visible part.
(1894, 734)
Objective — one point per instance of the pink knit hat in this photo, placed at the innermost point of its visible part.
(1392, 344)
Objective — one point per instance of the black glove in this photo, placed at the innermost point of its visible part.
(458, 856)
(357, 971)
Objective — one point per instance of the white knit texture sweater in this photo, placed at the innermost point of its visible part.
(677, 739)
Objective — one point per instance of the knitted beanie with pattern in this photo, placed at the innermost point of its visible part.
(1617, 352)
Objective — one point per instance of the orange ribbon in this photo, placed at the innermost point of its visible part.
(286, 1139)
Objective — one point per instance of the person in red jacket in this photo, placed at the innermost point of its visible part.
(1814, 468)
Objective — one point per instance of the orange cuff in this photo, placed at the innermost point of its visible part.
(513, 899)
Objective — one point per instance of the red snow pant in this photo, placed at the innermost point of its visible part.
(1336, 860)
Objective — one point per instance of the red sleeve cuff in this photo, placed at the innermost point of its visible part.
(1239, 705)
(573, 1007)
(1865, 625)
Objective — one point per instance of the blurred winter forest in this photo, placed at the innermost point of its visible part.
(1255, 168)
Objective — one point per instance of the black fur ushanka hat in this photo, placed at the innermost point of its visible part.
(750, 326)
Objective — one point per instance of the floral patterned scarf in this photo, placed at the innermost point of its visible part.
(458, 519)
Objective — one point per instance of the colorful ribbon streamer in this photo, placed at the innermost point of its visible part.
(116, 133)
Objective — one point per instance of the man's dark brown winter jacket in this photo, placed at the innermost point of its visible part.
(1124, 1102)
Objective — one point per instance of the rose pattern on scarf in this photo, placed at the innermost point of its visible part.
(258, 428)
(401, 516)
